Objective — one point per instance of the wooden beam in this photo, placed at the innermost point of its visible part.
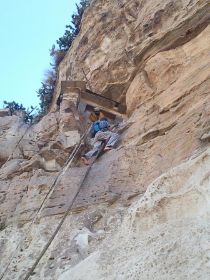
(92, 98)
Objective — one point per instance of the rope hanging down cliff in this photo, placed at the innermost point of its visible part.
(52, 188)
(62, 220)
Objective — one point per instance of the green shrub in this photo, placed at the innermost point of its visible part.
(57, 57)
(15, 107)
(73, 28)
(45, 94)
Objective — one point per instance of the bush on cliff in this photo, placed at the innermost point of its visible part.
(45, 93)
(73, 28)
(14, 107)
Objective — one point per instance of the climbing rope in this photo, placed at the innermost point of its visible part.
(62, 220)
(64, 169)
(52, 188)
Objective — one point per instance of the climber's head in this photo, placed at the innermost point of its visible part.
(96, 110)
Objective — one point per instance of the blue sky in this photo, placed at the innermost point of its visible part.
(28, 29)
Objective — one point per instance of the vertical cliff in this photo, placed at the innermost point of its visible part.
(143, 211)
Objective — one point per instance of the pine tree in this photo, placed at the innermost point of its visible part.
(73, 29)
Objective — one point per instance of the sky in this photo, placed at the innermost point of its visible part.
(28, 29)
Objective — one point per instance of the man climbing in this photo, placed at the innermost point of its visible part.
(101, 132)
(96, 115)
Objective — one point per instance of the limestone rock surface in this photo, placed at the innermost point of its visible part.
(118, 37)
(164, 235)
(143, 211)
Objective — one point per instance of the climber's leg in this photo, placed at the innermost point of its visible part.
(114, 138)
(93, 152)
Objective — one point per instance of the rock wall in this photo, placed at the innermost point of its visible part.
(164, 235)
(143, 210)
(118, 37)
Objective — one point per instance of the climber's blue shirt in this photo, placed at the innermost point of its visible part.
(100, 125)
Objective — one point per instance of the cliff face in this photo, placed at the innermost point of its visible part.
(118, 37)
(143, 211)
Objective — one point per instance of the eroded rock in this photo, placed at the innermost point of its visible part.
(142, 212)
